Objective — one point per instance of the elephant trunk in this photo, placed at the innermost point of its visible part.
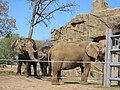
(31, 53)
(13, 45)
(49, 62)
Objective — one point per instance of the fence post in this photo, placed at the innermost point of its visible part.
(118, 70)
(108, 56)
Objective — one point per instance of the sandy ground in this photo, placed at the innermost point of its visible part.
(16, 82)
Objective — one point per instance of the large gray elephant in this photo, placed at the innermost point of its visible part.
(26, 49)
(67, 55)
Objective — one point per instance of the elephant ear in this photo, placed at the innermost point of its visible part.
(92, 50)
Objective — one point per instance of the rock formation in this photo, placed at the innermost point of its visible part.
(89, 26)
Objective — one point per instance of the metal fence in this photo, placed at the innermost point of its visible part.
(112, 47)
(111, 41)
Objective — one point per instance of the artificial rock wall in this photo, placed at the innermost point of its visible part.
(89, 26)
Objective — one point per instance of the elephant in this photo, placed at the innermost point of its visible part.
(68, 55)
(26, 49)
(43, 57)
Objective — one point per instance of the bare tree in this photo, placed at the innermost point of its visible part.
(43, 11)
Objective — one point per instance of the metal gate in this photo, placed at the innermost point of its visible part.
(112, 47)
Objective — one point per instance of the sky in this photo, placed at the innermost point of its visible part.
(21, 11)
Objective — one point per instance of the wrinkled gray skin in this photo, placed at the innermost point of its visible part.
(43, 56)
(26, 50)
(68, 54)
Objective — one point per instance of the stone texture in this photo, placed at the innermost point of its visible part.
(96, 72)
(99, 5)
(89, 26)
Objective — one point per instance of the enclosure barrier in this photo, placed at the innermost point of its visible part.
(71, 75)
(111, 40)
(107, 64)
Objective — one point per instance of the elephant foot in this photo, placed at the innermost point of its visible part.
(84, 83)
(49, 75)
(35, 74)
(18, 73)
(61, 82)
(58, 83)
(55, 83)
(26, 75)
(44, 75)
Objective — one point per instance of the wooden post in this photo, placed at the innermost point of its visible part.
(119, 69)
(108, 56)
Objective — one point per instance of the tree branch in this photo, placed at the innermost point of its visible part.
(61, 8)
(40, 13)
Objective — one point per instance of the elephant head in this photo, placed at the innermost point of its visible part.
(43, 52)
(23, 45)
(96, 50)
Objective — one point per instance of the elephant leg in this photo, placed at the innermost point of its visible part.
(25, 70)
(59, 78)
(49, 69)
(19, 67)
(55, 73)
(82, 69)
(85, 73)
(41, 67)
(28, 69)
(45, 68)
(55, 80)
(35, 68)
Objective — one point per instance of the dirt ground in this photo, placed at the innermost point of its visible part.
(10, 81)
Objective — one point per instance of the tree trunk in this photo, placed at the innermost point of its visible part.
(32, 20)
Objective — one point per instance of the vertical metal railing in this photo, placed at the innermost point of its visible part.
(110, 38)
